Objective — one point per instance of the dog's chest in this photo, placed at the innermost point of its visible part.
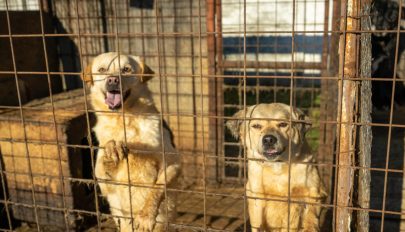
(278, 178)
(138, 130)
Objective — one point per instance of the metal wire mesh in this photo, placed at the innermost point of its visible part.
(211, 59)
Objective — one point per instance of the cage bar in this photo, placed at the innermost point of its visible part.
(211, 59)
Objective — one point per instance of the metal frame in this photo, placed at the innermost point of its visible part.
(342, 124)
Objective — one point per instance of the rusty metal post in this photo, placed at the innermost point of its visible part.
(219, 91)
(348, 91)
(214, 135)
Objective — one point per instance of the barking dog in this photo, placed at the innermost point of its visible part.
(268, 138)
(141, 155)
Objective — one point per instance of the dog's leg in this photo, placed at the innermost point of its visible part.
(114, 152)
(256, 205)
(146, 219)
(256, 209)
(106, 165)
(310, 220)
(255, 192)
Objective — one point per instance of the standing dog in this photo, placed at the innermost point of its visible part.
(268, 137)
(119, 83)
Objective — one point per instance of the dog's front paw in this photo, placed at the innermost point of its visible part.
(114, 152)
(145, 221)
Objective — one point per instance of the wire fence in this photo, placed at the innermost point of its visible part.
(340, 62)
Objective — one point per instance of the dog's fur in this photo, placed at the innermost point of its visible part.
(268, 168)
(141, 155)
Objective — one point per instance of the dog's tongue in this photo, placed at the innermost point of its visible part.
(113, 99)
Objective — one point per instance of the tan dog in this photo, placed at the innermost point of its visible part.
(143, 134)
(266, 134)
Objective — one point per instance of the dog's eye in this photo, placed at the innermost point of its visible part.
(283, 124)
(102, 70)
(257, 126)
(126, 69)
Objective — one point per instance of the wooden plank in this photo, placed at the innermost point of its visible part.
(67, 105)
(39, 166)
(365, 134)
(216, 206)
(187, 218)
(190, 203)
(200, 221)
(236, 225)
(228, 207)
(220, 223)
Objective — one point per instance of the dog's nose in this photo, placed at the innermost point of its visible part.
(269, 140)
(113, 80)
(112, 84)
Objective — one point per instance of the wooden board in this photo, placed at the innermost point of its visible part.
(223, 213)
(223, 209)
(38, 163)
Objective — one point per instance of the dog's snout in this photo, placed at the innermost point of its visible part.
(269, 140)
(112, 83)
(113, 80)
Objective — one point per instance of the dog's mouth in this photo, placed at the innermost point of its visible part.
(113, 98)
(272, 153)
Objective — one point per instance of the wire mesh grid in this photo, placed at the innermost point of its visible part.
(338, 61)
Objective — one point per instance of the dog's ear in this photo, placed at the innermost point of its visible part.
(304, 124)
(234, 125)
(147, 73)
(87, 76)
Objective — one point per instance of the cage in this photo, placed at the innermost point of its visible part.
(340, 62)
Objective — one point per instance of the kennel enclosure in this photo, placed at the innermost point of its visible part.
(211, 58)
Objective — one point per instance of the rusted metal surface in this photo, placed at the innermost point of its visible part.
(211, 49)
(219, 130)
(348, 91)
(211, 35)
(96, 30)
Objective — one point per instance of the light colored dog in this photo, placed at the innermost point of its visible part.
(135, 149)
(268, 137)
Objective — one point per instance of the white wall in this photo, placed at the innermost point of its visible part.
(269, 18)
(19, 4)
(272, 15)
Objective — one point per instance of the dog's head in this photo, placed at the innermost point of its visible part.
(267, 131)
(114, 80)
